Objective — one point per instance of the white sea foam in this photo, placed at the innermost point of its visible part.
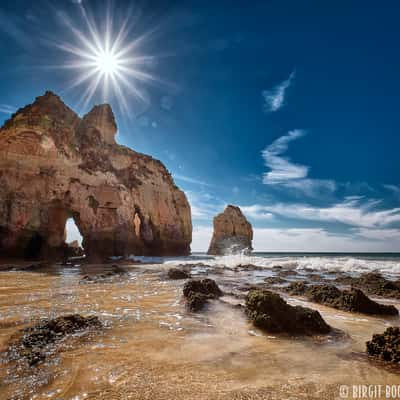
(346, 263)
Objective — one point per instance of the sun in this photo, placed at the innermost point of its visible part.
(106, 60)
(107, 63)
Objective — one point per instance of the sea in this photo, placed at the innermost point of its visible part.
(385, 263)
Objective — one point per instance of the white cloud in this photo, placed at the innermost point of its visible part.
(379, 234)
(349, 212)
(204, 205)
(284, 173)
(6, 109)
(257, 212)
(394, 189)
(282, 169)
(201, 238)
(318, 240)
(274, 99)
(310, 239)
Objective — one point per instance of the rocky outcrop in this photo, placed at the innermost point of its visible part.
(55, 165)
(35, 343)
(386, 346)
(176, 273)
(198, 292)
(233, 234)
(270, 312)
(353, 300)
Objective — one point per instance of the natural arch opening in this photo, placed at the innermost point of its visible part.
(73, 238)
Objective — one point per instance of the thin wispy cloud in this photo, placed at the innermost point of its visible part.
(188, 179)
(352, 212)
(204, 206)
(274, 99)
(394, 189)
(282, 169)
(6, 109)
(287, 174)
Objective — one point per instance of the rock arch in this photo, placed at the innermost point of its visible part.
(123, 202)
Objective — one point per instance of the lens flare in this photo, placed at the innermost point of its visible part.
(106, 60)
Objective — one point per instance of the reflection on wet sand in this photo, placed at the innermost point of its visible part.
(153, 348)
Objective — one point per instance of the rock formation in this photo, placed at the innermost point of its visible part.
(35, 343)
(386, 346)
(198, 292)
(55, 165)
(232, 233)
(270, 312)
(353, 300)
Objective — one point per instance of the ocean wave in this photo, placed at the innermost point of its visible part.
(318, 263)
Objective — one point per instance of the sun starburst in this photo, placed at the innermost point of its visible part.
(106, 61)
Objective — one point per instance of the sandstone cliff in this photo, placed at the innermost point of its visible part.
(232, 233)
(55, 165)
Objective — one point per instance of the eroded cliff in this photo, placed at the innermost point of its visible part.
(55, 165)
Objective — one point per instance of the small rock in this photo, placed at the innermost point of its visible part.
(290, 272)
(34, 343)
(274, 280)
(386, 346)
(175, 273)
(197, 292)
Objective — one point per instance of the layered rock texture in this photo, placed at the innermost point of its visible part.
(55, 165)
(233, 234)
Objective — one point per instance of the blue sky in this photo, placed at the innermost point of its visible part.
(285, 108)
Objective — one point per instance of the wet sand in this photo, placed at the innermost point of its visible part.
(153, 348)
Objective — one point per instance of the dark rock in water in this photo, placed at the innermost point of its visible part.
(386, 346)
(353, 300)
(24, 267)
(35, 341)
(196, 301)
(249, 267)
(290, 272)
(270, 312)
(376, 284)
(277, 267)
(116, 272)
(372, 283)
(297, 288)
(205, 286)
(176, 273)
(197, 292)
(274, 280)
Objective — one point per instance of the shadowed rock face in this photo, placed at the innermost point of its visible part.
(270, 312)
(232, 233)
(55, 165)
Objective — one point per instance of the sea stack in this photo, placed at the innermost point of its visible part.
(55, 165)
(232, 234)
